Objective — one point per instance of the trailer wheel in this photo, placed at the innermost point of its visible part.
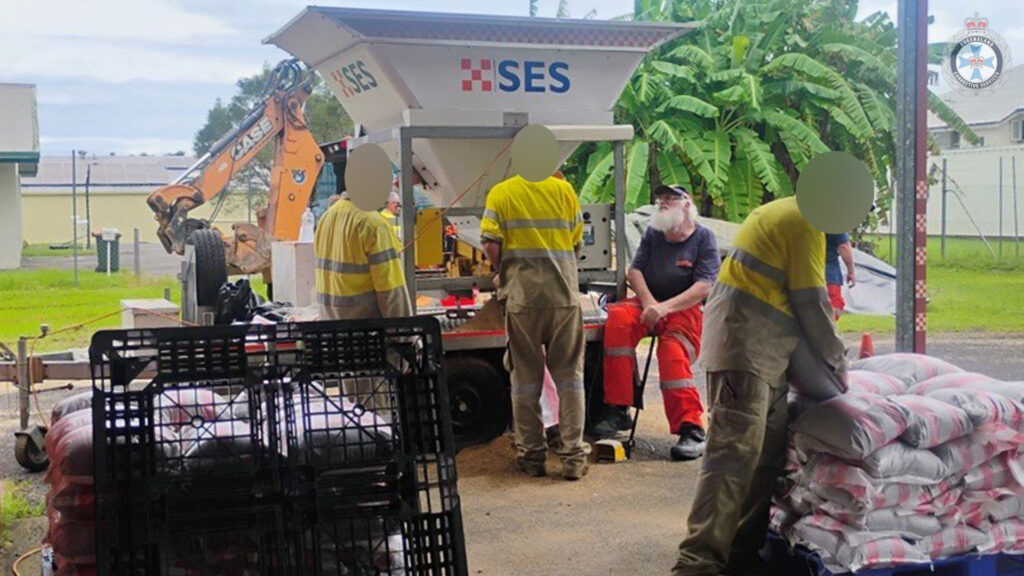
(211, 265)
(28, 455)
(480, 404)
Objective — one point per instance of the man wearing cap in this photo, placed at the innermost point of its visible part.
(672, 272)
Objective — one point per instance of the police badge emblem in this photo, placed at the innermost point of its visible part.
(976, 60)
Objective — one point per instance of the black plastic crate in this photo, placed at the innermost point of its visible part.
(291, 432)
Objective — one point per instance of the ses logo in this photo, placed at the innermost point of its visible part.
(533, 76)
(354, 78)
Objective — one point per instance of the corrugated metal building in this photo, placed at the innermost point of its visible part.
(19, 155)
(117, 191)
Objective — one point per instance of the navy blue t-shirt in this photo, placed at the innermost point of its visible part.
(671, 268)
(833, 273)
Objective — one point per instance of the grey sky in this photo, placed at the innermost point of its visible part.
(134, 76)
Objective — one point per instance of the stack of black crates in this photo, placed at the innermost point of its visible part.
(320, 448)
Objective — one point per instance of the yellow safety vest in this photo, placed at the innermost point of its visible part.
(539, 226)
(778, 261)
(392, 220)
(358, 268)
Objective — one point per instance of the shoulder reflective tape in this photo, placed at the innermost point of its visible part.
(759, 266)
(382, 256)
(520, 223)
(342, 267)
(759, 306)
(492, 215)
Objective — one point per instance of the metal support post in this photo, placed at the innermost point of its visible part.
(24, 384)
(911, 183)
(1016, 214)
(1000, 207)
(74, 215)
(620, 220)
(135, 248)
(408, 215)
(944, 191)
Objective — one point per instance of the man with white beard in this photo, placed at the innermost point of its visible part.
(672, 272)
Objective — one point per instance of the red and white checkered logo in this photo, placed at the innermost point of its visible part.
(922, 222)
(922, 190)
(921, 256)
(921, 289)
(477, 78)
(920, 323)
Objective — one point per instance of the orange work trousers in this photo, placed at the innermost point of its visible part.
(678, 346)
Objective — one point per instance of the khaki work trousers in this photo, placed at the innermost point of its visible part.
(745, 452)
(559, 332)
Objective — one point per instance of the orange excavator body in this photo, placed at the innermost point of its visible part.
(297, 163)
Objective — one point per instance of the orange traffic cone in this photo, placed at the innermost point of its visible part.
(867, 347)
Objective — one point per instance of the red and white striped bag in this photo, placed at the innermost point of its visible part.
(932, 422)
(963, 380)
(866, 382)
(881, 553)
(910, 368)
(986, 442)
(1006, 536)
(851, 426)
(983, 406)
(952, 540)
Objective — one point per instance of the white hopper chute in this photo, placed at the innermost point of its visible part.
(394, 69)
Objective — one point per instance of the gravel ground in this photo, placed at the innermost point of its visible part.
(624, 518)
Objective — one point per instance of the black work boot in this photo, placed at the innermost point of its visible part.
(691, 443)
(616, 420)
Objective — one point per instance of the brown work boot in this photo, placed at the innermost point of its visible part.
(532, 467)
(575, 470)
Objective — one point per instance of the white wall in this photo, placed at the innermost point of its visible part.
(10, 217)
(19, 126)
(976, 170)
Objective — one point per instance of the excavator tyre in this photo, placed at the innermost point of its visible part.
(211, 265)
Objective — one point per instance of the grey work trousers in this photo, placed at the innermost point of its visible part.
(744, 457)
(559, 331)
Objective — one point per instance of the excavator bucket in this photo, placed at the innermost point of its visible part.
(392, 69)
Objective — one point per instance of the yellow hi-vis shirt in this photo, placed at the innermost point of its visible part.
(392, 220)
(358, 267)
(539, 227)
(770, 291)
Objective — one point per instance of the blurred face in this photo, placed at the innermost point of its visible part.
(394, 206)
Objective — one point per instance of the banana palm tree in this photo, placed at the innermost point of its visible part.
(736, 108)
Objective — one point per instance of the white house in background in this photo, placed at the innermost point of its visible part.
(973, 170)
(117, 190)
(19, 155)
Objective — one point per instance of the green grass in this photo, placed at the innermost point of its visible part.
(43, 250)
(15, 506)
(34, 297)
(969, 289)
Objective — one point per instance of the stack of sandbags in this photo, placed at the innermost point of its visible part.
(70, 501)
(917, 461)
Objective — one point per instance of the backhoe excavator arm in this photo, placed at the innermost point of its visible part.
(297, 162)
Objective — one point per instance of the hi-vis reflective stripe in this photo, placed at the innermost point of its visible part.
(382, 256)
(364, 299)
(492, 215)
(813, 294)
(547, 224)
(678, 384)
(691, 352)
(540, 253)
(765, 309)
(628, 352)
(342, 267)
(759, 266)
